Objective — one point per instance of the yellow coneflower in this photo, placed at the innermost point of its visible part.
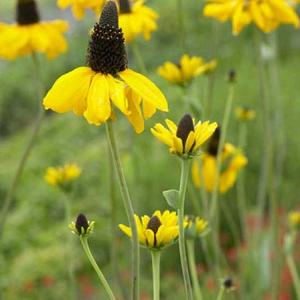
(82, 226)
(29, 34)
(294, 219)
(137, 19)
(204, 170)
(245, 113)
(62, 176)
(79, 7)
(91, 91)
(188, 68)
(186, 139)
(196, 227)
(156, 231)
(266, 14)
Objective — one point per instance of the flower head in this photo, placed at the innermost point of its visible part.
(80, 6)
(185, 139)
(245, 113)
(204, 170)
(197, 227)
(294, 219)
(228, 284)
(156, 231)
(29, 34)
(266, 14)
(136, 19)
(188, 68)
(62, 176)
(82, 226)
(106, 82)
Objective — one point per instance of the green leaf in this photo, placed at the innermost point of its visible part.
(172, 197)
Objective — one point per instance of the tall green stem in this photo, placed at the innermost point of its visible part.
(221, 293)
(294, 273)
(190, 245)
(128, 208)
(139, 57)
(155, 255)
(12, 189)
(185, 169)
(93, 262)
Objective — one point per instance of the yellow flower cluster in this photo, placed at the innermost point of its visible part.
(188, 68)
(157, 231)
(138, 20)
(294, 219)
(245, 113)
(196, 227)
(266, 14)
(60, 176)
(204, 170)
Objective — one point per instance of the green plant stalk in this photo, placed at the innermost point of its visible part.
(139, 57)
(185, 169)
(221, 293)
(181, 23)
(190, 245)
(128, 208)
(86, 248)
(155, 256)
(24, 158)
(295, 276)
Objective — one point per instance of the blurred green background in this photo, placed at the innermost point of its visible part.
(33, 249)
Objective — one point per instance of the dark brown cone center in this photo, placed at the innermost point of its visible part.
(27, 12)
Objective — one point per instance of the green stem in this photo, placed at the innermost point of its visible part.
(11, 191)
(128, 208)
(181, 23)
(139, 57)
(185, 169)
(221, 294)
(190, 245)
(155, 255)
(294, 273)
(93, 262)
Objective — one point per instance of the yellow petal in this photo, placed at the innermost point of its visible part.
(149, 237)
(126, 230)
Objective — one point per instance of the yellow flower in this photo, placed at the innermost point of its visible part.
(294, 219)
(61, 176)
(82, 226)
(266, 14)
(92, 91)
(188, 68)
(31, 35)
(157, 231)
(136, 19)
(196, 227)
(245, 113)
(79, 6)
(205, 169)
(186, 139)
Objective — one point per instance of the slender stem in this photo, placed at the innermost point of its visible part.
(139, 57)
(128, 208)
(12, 189)
(93, 262)
(294, 273)
(155, 255)
(181, 23)
(221, 294)
(185, 169)
(190, 245)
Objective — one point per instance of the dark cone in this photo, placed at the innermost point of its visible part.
(81, 222)
(214, 141)
(185, 126)
(153, 224)
(125, 6)
(106, 52)
(228, 283)
(27, 12)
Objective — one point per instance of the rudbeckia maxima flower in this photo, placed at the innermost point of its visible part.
(266, 14)
(185, 139)
(156, 231)
(29, 34)
(204, 169)
(106, 82)
(136, 19)
(79, 7)
(187, 69)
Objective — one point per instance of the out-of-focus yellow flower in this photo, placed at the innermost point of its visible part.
(294, 219)
(205, 169)
(196, 227)
(188, 68)
(92, 91)
(79, 7)
(29, 34)
(62, 176)
(266, 14)
(245, 113)
(186, 139)
(157, 231)
(137, 19)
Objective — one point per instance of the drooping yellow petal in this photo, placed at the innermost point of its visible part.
(126, 230)
(149, 237)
